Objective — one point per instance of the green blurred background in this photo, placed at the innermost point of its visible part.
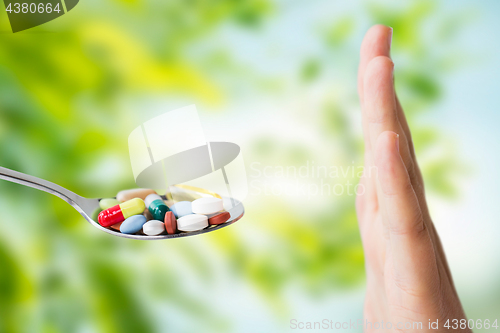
(276, 77)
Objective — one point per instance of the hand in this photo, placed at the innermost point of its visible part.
(408, 279)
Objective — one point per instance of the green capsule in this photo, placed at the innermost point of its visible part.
(156, 206)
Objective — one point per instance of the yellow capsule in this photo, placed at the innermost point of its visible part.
(132, 207)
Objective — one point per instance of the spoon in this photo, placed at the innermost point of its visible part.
(86, 207)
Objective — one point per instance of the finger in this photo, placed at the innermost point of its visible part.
(380, 111)
(414, 171)
(414, 262)
(366, 199)
(418, 186)
(405, 127)
(377, 42)
(366, 196)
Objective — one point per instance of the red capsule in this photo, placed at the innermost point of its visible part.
(121, 212)
(111, 216)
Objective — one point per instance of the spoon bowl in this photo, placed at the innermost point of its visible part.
(87, 207)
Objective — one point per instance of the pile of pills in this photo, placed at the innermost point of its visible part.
(143, 211)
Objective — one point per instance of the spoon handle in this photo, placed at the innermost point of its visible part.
(40, 184)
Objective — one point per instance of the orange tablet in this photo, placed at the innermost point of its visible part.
(170, 223)
(219, 218)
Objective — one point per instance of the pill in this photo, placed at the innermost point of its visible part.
(219, 218)
(148, 215)
(153, 227)
(207, 205)
(116, 226)
(181, 208)
(140, 193)
(156, 206)
(108, 203)
(170, 223)
(121, 212)
(133, 224)
(192, 222)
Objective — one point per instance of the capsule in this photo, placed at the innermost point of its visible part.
(156, 206)
(119, 213)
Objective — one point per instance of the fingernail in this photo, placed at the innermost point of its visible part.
(390, 37)
(397, 142)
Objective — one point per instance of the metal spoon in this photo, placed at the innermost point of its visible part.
(86, 206)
